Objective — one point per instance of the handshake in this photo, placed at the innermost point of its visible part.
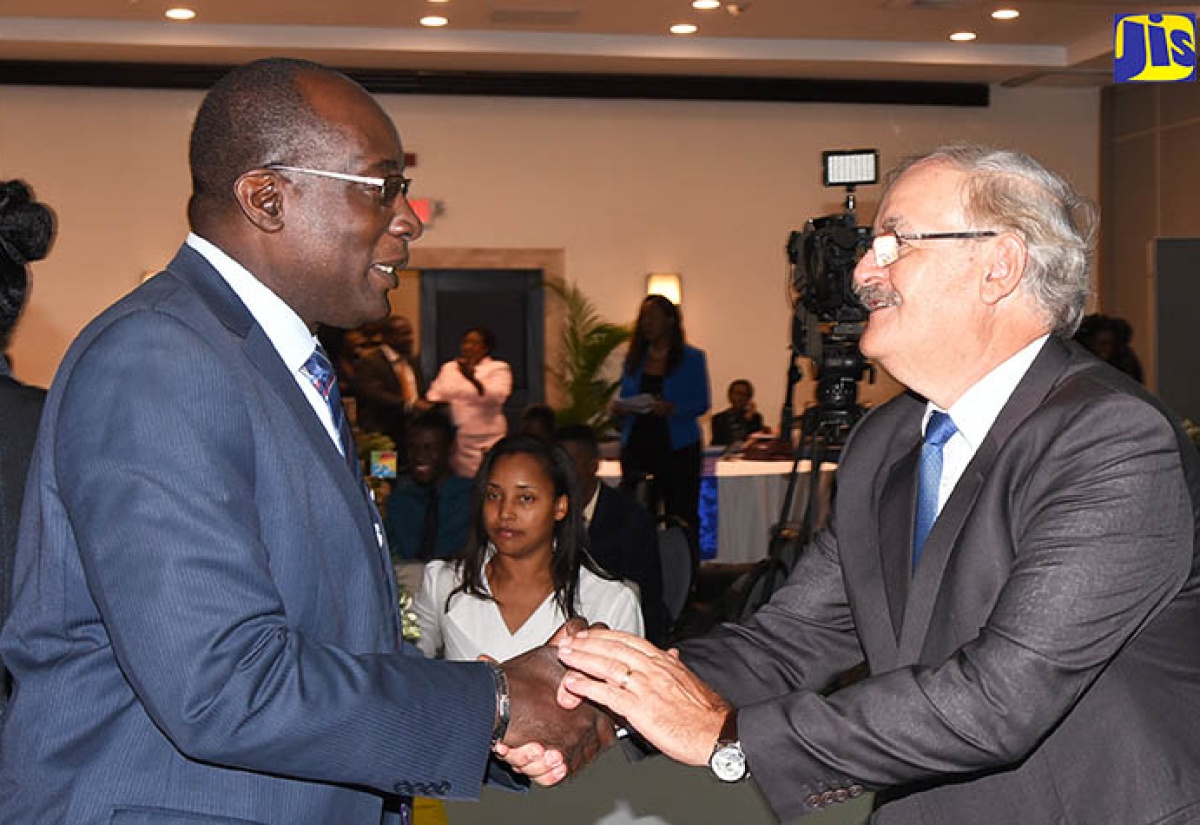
(570, 696)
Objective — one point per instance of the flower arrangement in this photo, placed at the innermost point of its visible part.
(1192, 430)
(410, 630)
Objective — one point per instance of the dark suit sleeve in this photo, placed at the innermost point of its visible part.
(721, 437)
(20, 410)
(1095, 504)
(624, 541)
(645, 565)
(375, 384)
(193, 534)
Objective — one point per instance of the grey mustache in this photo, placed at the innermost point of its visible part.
(876, 296)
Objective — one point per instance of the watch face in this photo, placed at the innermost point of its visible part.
(728, 762)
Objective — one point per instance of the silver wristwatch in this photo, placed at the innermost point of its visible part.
(728, 762)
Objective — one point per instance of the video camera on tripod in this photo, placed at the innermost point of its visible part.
(827, 322)
(828, 318)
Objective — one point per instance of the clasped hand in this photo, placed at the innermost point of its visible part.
(649, 689)
(546, 738)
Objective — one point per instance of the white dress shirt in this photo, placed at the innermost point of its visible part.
(975, 412)
(474, 626)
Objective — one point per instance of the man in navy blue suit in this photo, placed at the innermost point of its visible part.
(205, 625)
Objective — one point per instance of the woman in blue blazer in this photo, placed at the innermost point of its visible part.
(664, 390)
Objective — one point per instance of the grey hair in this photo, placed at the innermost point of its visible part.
(1010, 190)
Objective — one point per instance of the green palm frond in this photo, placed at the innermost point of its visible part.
(588, 344)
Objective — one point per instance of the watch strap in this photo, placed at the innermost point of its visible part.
(503, 706)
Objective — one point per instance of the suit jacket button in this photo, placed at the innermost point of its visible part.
(813, 800)
(827, 798)
(855, 791)
(841, 795)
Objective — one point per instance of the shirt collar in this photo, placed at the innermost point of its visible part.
(289, 335)
(977, 409)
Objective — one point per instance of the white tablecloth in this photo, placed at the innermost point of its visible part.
(750, 498)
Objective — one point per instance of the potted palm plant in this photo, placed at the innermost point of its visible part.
(585, 378)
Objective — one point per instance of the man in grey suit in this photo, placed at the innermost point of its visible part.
(1035, 660)
(205, 626)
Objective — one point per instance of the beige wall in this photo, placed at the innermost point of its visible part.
(708, 189)
(1151, 167)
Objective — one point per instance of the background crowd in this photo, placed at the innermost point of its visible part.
(206, 619)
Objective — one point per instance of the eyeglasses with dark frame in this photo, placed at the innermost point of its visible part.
(390, 186)
(886, 245)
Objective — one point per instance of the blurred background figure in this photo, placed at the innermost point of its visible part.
(388, 382)
(741, 420)
(527, 569)
(475, 385)
(1110, 339)
(429, 510)
(346, 352)
(664, 390)
(622, 537)
(539, 421)
(26, 231)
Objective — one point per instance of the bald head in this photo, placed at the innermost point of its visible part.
(255, 115)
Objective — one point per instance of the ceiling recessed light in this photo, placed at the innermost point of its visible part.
(705, 5)
(180, 14)
(433, 21)
(1005, 14)
(439, 1)
(683, 28)
(962, 37)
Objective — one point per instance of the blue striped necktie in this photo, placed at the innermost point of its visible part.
(319, 371)
(938, 431)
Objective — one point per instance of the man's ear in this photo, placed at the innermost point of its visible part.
(1005, 269)
(260, 199)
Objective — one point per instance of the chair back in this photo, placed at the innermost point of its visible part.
(676, 558)
(642, 486)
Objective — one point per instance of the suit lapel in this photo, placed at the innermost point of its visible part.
(897, 507)
(872, 528)
(601, 512)
(942, 541)
(192, 268)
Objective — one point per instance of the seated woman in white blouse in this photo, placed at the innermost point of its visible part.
(527, 570)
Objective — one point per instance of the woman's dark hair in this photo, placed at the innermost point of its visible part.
(570, 535)
(26, 230)
(489, 337)
(637, 342)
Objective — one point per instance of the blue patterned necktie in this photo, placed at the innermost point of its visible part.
(319, 371)
(938, 431)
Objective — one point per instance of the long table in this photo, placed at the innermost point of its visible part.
(741, 501)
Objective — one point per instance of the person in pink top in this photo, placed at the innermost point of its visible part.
(475, 386)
